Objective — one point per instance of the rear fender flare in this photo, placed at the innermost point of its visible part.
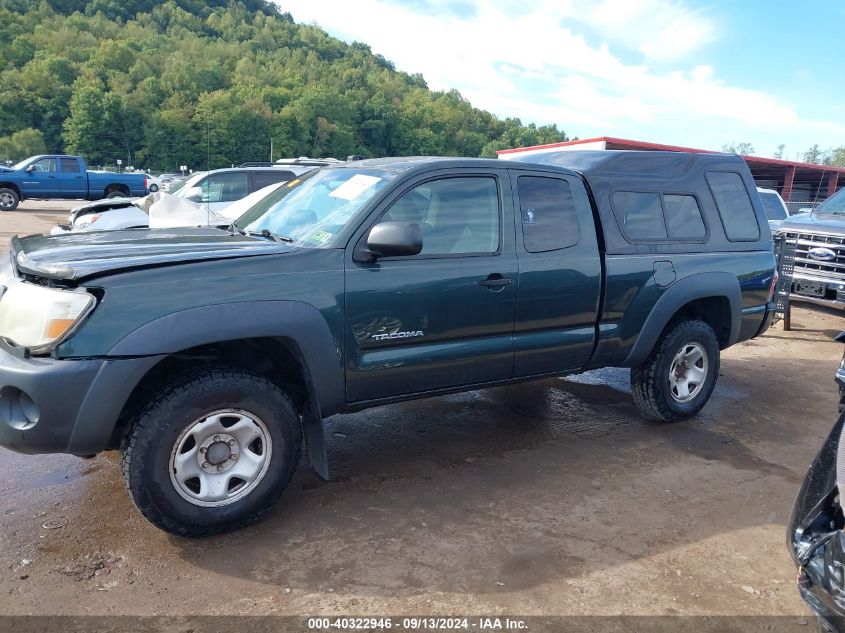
(699, 286)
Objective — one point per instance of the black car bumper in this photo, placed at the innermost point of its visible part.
(64, 406)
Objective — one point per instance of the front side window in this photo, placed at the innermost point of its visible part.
(69, 165)
(456, 215)
(549, 218)
(225, 187)
(734, 205)
(45, 166)
(640, 214)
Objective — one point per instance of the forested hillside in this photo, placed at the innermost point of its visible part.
(168, 84)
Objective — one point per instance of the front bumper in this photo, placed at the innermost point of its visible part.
(833, 290)
(64, 406)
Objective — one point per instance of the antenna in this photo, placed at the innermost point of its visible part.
(208, 171)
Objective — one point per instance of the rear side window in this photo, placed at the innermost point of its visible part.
(549, 220)
(683, 217)
(773, 206)
(734, 205)
(263, 179)
(641, 214)
(69, 165)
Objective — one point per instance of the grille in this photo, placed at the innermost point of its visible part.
(833, 270)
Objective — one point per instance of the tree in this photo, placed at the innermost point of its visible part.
(743, 149)
(814, 155)
(22, 144)
(779, 152)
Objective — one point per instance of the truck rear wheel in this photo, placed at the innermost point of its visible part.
(212, 453)
(679, 376)
(9, 199)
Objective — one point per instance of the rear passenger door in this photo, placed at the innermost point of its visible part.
(559, 273)
(72, 182)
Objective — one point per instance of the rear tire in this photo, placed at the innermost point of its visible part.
(114, 193)
(177, 462)
(9, 199)
(679, 376)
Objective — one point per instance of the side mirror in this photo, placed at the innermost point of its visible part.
(394, 239)
(194, 194)
(30, 169)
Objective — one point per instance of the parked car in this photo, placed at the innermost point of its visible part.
(207, 355)
(211, 192)
(819, 275)
(774, 206)
(63, 177)
(815, 533)
(153, 183)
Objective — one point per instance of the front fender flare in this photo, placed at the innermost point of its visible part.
(698, 286)
(299, 322)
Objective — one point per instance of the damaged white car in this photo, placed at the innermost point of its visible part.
(213, 198)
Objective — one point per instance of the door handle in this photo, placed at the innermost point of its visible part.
(495, 282)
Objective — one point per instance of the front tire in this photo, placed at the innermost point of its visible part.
(9, 199)
(212, 453)
(153, 188)
(679, 376)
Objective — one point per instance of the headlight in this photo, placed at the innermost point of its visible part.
(86, 220)
(37, 317)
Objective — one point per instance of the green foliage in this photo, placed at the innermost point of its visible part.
(22, 144)
(210, 82)
(743, 149)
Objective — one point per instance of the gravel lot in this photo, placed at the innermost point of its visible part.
(550, 498)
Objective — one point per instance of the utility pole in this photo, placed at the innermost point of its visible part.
(271, 150)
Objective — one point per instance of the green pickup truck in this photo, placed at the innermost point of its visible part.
(209, 357)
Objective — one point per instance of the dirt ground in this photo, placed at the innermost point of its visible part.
(546, 498)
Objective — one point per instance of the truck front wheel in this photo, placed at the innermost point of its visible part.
(679, 376)
(9, 199)
(212, 453)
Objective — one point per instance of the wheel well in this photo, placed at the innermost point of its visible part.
(714, 311)
(114, 188)
(277, 359)
(11, 185)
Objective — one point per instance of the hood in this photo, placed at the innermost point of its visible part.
(100, 205)
(76, 256)
(829, 223)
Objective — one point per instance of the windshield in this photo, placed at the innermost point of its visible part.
(21, 164)
(834, 204)
(313, 209)
(773, 206)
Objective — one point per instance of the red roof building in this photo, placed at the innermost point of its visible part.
(796, 182)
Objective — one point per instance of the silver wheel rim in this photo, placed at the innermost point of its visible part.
(220, 458)
(688, 372)
(6, 200)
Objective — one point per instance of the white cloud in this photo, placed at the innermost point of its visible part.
(539, 64)
(659, 29)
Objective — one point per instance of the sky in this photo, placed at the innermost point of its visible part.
(682, 72)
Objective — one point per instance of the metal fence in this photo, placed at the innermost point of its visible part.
(796, 206)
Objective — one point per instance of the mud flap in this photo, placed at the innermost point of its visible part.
(315, 445)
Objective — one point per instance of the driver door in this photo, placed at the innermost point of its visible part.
(443, 318)
(40, 179)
